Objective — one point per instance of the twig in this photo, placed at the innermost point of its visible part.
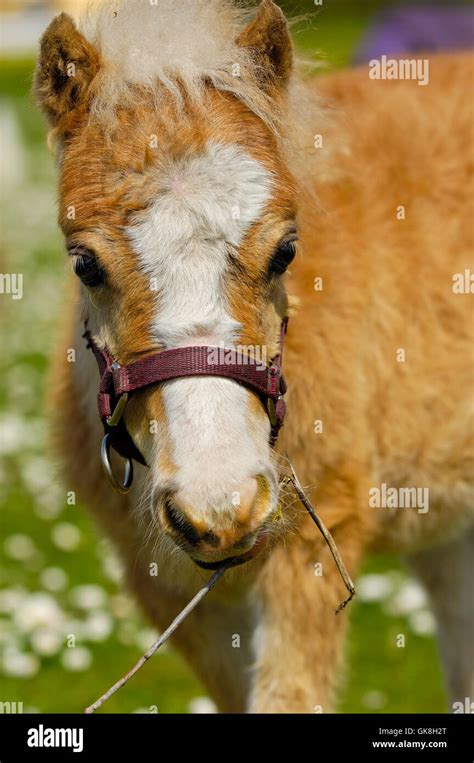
(327, 537)
(164, 637)
(212, 582)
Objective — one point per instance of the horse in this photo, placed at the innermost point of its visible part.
(210, 189)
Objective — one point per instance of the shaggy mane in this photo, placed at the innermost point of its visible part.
(176, 46)
(156, 45)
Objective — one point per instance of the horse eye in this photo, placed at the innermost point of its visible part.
(87, 267)
(283, 257)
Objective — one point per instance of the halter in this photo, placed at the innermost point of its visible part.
(118, 383)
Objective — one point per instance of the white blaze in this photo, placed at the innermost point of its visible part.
(205, 205)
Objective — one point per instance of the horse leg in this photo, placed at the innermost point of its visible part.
(447, 573)
(215, 639)
(299, 638)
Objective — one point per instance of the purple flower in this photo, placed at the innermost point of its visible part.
(417, 29)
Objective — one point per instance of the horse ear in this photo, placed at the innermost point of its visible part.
(66, 67)
(268, 41)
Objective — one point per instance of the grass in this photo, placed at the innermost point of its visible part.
(382, 677)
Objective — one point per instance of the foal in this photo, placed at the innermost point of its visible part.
(191, 157)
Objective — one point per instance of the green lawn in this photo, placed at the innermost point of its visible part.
(49, 549)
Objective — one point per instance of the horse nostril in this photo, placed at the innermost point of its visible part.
(209, 534)
(180, 524)
(211, 539)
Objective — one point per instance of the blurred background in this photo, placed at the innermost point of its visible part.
(57, 576)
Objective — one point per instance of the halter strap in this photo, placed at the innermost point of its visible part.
(118, 383)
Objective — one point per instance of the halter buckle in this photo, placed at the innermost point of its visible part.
(271, 410)
(117, 414)
(120, 487)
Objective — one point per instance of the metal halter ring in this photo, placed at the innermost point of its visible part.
(125, 486)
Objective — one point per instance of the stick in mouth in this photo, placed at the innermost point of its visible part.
(326, 535)
(293, 479)
(164, 637)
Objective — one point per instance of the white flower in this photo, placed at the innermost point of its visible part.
(13, 158)
(37, 610)
(20, 379)
(47, 507)
(65, 536)
(13, 433)
(409, 598)
(202, 706)
(49, 499)
(76, 659)
(49, 503)
(7, 633)
(36, 474)
(20, 547)
(74, 627)
(98, 626)
(11, 598)
(122, 606)
(46, 641)
(374, 700)
(88, 596)
(373, 587)
(54, 579)
(112, 568)
(127, 633)
(422, 622)
(47, 510)
(146, 637)
(20, 664)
